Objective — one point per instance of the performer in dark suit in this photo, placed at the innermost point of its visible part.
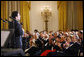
(18, 30)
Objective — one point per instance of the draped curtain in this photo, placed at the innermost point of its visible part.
(4, 12)
(24, 11)
(70, 15)
(62, 9)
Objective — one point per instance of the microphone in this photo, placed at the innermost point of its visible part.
(3, 20)
(8, 20)
(13, 18)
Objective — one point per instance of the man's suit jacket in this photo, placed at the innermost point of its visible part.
(18, 29)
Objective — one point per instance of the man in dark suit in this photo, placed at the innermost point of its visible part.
(18, 30)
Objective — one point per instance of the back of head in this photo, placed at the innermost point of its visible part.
(14, 14)
(35, 30)
(81, 31)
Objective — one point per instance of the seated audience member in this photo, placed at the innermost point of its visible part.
(80, 34)
(32, 41)
(36, 33)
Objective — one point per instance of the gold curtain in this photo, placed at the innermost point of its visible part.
(24, 11)
(70, 15)
(4, 14)
(62, 9)
(80, 14)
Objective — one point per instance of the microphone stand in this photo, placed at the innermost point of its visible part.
(3, 23)
(8, 21)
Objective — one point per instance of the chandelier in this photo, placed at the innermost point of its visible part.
(46, 13)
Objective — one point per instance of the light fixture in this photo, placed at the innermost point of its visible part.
(46, 13)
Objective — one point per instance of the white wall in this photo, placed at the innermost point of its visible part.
(36, 20)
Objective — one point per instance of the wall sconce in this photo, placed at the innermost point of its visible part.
(46, 13)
